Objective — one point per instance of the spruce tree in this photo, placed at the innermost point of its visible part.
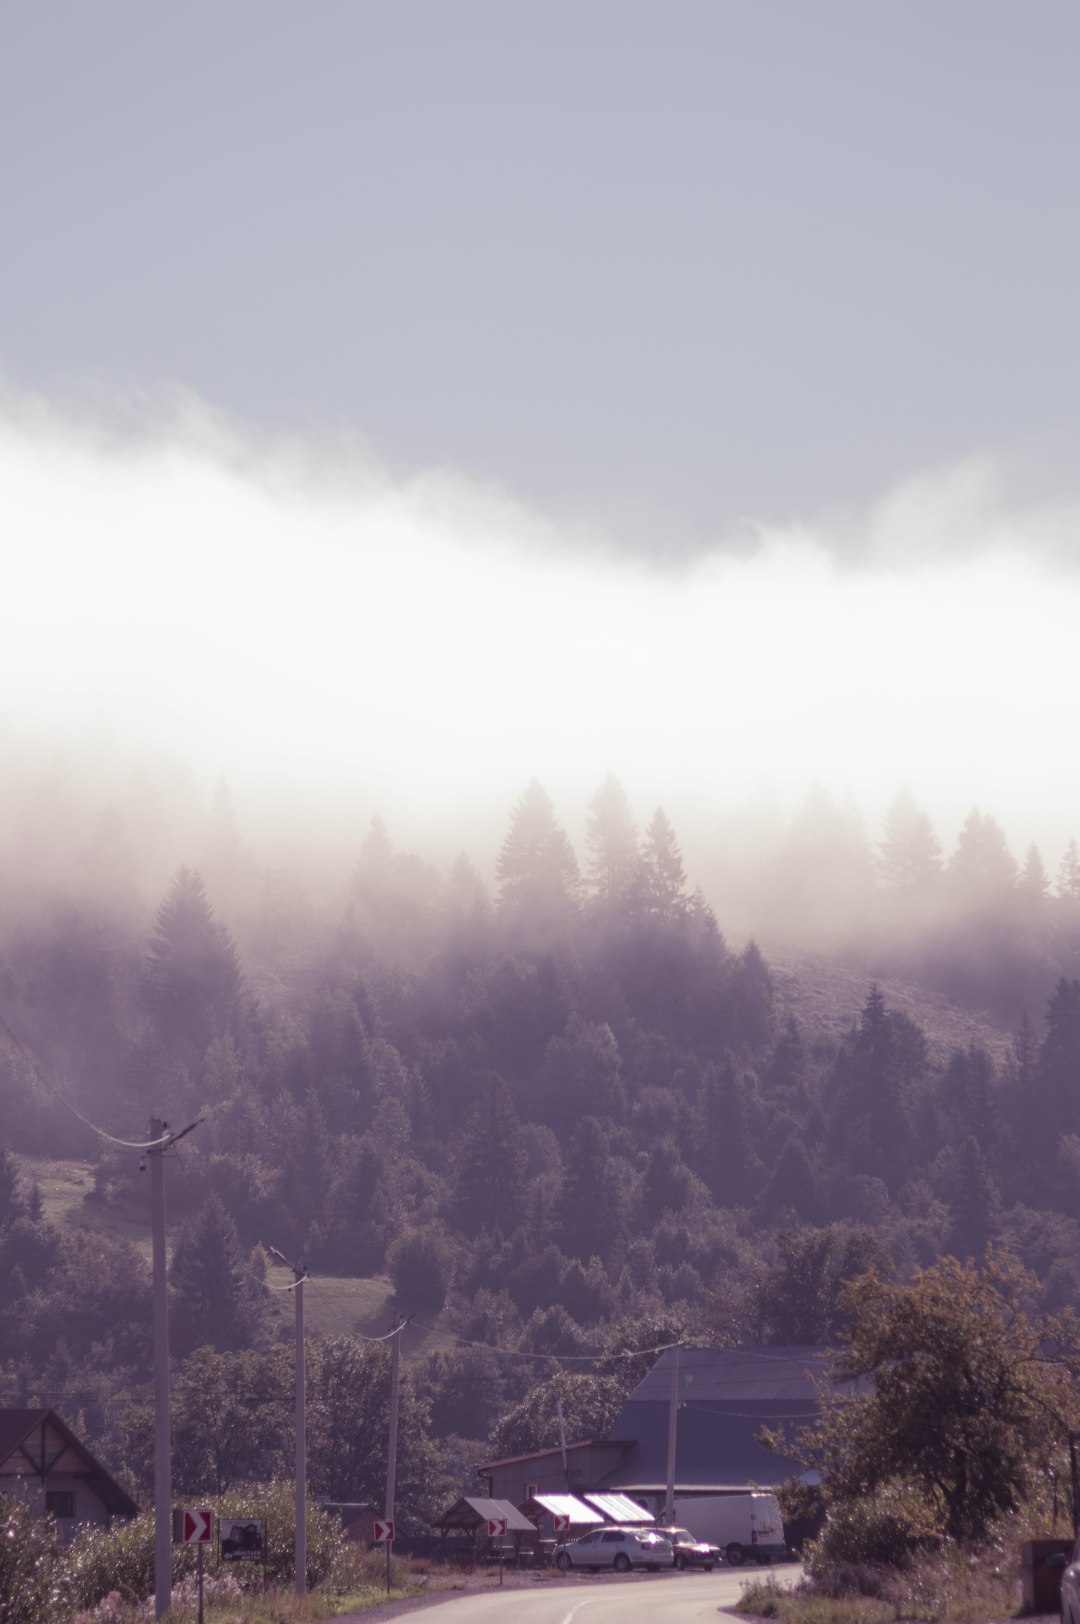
(910, 853)
(489, 1166)
(1068, 874)
(536, 869)
(193, 978)
(611, 840)
(662, 875)
(216, 1303)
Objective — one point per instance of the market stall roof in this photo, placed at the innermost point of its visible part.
(568, 1505)
(619, 1508)
(473, 1512)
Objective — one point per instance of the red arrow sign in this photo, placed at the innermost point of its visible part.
(198, 1528)
(384, 1531)
(561, 1523)
(496, 1527)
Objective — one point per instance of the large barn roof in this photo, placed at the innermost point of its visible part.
(729, 1375)
(726, 1397)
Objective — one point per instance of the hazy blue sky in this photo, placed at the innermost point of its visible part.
(663, 265)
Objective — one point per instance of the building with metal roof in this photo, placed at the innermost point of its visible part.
(725, 1398)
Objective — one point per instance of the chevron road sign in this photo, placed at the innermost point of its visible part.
(193, 1527)
(384, 1531)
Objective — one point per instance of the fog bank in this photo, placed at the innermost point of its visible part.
(289, 614)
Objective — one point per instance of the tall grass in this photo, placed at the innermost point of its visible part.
(949, 1587)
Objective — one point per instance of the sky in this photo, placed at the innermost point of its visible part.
(402, 399)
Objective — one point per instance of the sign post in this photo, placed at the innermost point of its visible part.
(194, 1528)
(497, 1530)
(383, 1530)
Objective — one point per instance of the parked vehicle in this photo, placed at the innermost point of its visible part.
(618, 1548)
(745, 1526)
(691, 1552)
(1070, 1584)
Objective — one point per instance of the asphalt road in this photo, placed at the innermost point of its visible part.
(639, 1598)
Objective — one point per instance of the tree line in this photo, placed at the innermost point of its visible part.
(558, 1116)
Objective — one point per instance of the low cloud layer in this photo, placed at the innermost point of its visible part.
(292, 615)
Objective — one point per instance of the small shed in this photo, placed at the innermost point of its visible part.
(357, 1519)
(467, 1521)
(558, 1517)
(560, 1513)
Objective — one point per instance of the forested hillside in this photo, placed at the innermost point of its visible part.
(563, 1113)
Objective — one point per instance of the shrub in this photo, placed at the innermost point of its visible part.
(883, 1531)
(120, 1559)
(33, 1584)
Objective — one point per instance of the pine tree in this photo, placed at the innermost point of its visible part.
(594, 1195)
(536, 869)
(1057, 1070)
(215, 1303)
(611, 840)
(193, 977)
(982, 869)
(1033, 886)
(1068, 874)
(792, 1187)
(976, 1205)
(910, 853)
(489, 1166)
(662, 881)
(10, 1202)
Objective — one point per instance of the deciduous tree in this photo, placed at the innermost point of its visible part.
(957, 1388)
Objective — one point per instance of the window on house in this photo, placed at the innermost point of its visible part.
(61, 1502)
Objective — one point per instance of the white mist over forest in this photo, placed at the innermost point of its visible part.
(337, 639)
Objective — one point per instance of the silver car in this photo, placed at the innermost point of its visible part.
(1070, 1584)
(618, 1548)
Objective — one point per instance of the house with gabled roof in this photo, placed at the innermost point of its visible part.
(725, 1397)
(43, 1463)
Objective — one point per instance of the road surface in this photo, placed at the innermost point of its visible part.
(639, 1598)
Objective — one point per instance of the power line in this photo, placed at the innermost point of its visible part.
(125, 1144)
(559, 1358)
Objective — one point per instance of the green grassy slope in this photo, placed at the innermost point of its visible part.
(334, 1305)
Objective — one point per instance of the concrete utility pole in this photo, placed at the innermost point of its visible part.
(300, 1556)
(562, 1444)
(301, 1442)
(391, 1453)
(672, 1429)
(161, 1140)
(162, 1457)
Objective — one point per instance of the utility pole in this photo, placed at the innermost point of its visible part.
(161, 1140)
(673, 1422)
(162, 1457)
(562, 1443)
(391, 1453)
(300, 1557)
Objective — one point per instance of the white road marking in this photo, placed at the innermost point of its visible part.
(574, 1611)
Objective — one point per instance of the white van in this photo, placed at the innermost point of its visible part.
(745, 1526)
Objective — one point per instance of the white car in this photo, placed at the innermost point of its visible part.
(618, 1548)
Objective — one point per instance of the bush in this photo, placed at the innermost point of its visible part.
(103, 1561)
(119, 1560)
(33, 1585)
(884, 1531)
